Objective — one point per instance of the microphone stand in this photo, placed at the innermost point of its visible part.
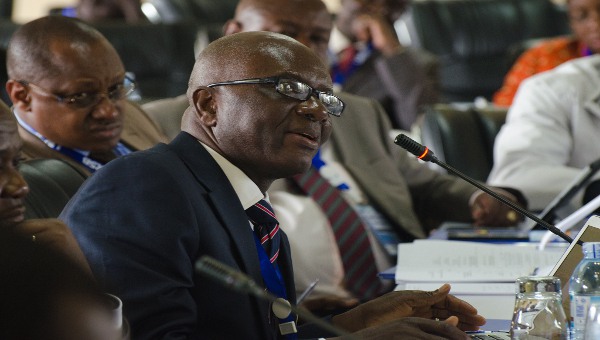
(237, 281)
(423, 153)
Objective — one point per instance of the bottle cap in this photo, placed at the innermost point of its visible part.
(538, 284)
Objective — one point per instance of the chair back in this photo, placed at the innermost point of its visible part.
(463, 136)
(473, 39)
(52, 183)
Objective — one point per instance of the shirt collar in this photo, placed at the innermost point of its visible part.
(246, 190)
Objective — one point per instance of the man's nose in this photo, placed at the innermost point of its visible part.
(106, 109)
(15, 187)
(314, 109)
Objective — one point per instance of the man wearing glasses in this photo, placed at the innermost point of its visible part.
(361, 160)
(144, 220)
(68, 88)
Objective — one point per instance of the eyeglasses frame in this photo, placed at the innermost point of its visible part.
(275, 80)
(68, 99)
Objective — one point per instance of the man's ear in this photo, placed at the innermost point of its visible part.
(205, 106)
(19, 95)
(232, 26)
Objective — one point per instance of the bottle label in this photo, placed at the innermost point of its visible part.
(579, 308)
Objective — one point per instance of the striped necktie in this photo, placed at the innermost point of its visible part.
(266, 227)
(350, 234)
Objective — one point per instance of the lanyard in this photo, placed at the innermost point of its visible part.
(339, 77)
(321, 166)
(274, 281)
(80, 156)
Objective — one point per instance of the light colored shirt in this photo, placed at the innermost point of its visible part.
(246, 190)
(551, 132)
(312, 241)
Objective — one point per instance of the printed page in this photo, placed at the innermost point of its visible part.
(460, 288)
(457, 261)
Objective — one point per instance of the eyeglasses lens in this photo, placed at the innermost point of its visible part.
(301, 91)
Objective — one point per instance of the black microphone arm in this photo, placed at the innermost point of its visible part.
(240, 282)
(423, 153)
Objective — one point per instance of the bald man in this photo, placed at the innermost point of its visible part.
(68, 88)
(402, 192)
(145, 219)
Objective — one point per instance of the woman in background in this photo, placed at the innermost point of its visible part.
(584, 19)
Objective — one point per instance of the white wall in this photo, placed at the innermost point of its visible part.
(27, 10)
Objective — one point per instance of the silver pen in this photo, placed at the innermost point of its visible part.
(307, 291)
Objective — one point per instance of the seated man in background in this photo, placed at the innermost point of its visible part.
(377, 173)
(584, 19)
(13, 190)
(551, 132)
(261, 118)
(371, 62)
(68, 88)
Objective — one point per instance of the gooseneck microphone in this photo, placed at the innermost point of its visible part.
(240, 282)
(425, 154)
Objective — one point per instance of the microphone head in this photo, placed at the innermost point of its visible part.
(227, 276)
(422, 152)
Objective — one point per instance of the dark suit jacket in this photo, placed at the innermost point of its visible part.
(143, 221)
(406, 191)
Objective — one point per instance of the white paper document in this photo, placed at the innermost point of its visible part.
(458, 261)
(462, 288)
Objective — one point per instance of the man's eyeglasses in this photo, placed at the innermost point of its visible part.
(294, 89)
(85, 100)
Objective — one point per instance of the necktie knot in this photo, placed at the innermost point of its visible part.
(266, 227)
(261, 213)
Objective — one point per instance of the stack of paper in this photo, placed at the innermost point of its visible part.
(458, 261)
(477, 271)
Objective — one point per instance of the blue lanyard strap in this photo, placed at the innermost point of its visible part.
(318, 163)
(80, 156)
(273, 280)
(339, 76)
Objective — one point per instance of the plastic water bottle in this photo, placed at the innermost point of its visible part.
(584, 287)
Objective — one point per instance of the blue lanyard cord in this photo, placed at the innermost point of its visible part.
(80, 156)
(273, 280)
(339, 77)
(318, 163)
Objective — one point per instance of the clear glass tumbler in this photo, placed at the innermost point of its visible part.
(538, 312)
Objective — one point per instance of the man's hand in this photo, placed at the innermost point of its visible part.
(326, 304)
(437, 304)
(56, 234)
(488, 211)
(375, 29)
(413, 328)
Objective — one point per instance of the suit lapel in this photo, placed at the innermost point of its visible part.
(228, 209)
(227, 206)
